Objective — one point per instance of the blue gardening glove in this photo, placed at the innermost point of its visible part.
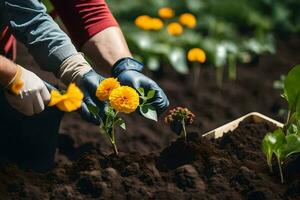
(129, 72)
(88, 85)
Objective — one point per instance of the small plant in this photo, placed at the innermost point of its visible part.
(285, 141)
(120, 99)
(197, 57)
(178, 118)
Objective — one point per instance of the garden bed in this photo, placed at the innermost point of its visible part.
(230, 167)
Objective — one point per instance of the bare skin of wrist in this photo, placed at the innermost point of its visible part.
(8, 69)
(106, 47)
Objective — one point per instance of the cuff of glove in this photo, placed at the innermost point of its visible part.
(73, 68)
(125, 64)
(16, 84)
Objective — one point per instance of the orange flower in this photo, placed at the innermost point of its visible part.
(174, 29)
(196, 55)
(166, 13)
(143, 22)
(188, 19)
(69, 101)
(124, 99)
(157, 24)
(106, 87)
(146, 22)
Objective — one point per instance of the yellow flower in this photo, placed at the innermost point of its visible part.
(174, 29)
(196, 55)
(188, 19)
(106, 87)
(143, 22)
(69, 101)
(166, 13)
(156, 24)
(16, 86)
(124, 99)
(146, 22)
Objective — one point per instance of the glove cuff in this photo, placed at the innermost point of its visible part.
(125, 64)
(73, 68)
(15, 84)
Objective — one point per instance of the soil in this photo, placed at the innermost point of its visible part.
(232, 167)
(153, 163)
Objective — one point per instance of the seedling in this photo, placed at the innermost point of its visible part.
(178, 118)
(285, 141)
(120, 99)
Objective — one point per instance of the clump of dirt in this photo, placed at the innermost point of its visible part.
(231, 167)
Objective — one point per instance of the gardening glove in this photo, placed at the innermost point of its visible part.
(27, 93)
(129, 72)
(77, 69)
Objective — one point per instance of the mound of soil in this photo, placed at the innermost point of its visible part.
(232, 167)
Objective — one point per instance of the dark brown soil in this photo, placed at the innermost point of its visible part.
(232, 167)
(151, 166)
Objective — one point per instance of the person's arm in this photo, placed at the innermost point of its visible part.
(31, 25)
(97, 34)
(51, 48)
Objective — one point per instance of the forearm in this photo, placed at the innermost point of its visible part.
(8, 69)
(107, 47)
(31, 25)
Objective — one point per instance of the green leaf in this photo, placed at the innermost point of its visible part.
(292, 89)
(141, 91)
(291, 147)
(153, 63)
(177, 59)
(149, 112)
(150, 94)
(271, 143)
(120, 122)
(93, 109)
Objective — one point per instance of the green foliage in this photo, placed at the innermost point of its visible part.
(229, 31)
(285, 141)
(145, 107)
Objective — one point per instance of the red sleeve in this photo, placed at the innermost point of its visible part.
(84, 18)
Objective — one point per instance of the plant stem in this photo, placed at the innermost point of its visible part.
(280, 170)
(184, 131)
(231, 67)
(113, 141)
(196, 73)
(288, 117)
(270, 165)
(219, 76)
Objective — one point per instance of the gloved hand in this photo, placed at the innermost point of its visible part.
(128, 71)
(27, 93)
(76, 69)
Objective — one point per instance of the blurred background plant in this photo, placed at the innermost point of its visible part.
(161, 32)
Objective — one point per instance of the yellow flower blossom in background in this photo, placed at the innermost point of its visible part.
(166, 13)
(143, 22)
(124, 99)
(156, 24)
(196, 55)
(146, 22)
(106, 87)
(16, 87)
(69, 101)
(188, 19)
(174, 29)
